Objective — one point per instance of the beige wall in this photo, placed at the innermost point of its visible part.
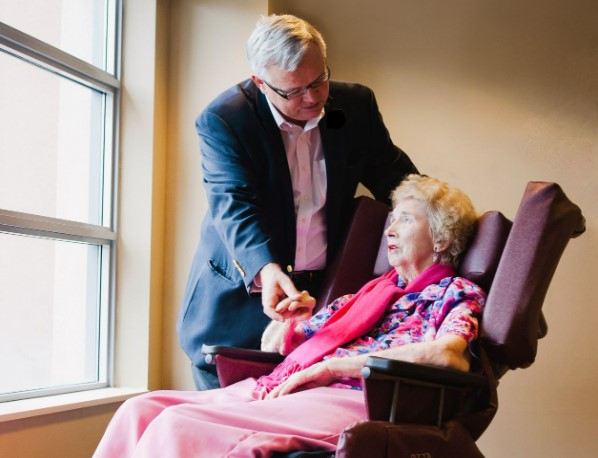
(487, 95)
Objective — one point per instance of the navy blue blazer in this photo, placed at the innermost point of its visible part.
(251, 218)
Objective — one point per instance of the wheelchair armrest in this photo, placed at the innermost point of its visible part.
(383, 368)
(239, 353)
(235, 364)
(397, 391)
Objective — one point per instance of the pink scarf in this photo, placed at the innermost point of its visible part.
(359, 316)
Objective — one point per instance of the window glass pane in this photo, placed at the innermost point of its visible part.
(51, 131)
(74, 26)
(49, 331)
(57, 152)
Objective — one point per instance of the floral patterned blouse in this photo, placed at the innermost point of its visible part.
(452, 306)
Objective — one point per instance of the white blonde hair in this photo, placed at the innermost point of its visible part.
(281, 40)
(451, 215)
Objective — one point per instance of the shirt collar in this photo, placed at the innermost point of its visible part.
(283, 124)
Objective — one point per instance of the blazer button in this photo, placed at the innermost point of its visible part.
(238, 266)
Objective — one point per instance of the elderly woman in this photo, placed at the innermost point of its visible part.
(420, 311)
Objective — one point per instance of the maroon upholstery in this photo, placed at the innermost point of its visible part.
(517, 280)
(383, 439)
(353, 264)
(480, 261)
(236, 364)
(364, 256)
(229, 373)
(545, 221)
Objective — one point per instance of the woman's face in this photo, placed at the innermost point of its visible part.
(410, 244)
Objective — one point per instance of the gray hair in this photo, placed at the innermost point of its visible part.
(451, 215)
(281, 40)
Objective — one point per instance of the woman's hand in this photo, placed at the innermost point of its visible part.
(284, 336)
(318, 374)
(298, 306)
(321, 374)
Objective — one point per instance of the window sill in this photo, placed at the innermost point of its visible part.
(16, 410)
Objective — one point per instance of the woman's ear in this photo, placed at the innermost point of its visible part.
(441, 245)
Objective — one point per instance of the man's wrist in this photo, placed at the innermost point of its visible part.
(270, 268)
(256, 284)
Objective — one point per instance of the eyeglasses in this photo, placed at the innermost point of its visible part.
(300, 91)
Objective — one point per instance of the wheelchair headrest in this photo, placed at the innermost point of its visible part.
(480, 260)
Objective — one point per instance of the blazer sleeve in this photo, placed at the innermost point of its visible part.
(234, 196)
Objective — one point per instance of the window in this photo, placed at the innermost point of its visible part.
(59, 98)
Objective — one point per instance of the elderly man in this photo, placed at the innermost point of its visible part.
(282, 155)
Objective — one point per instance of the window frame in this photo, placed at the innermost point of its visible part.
(104, 235)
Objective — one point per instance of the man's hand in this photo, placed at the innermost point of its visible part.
(276, 287)
(299, 307)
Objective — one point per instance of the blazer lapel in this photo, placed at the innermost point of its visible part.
(330, 127)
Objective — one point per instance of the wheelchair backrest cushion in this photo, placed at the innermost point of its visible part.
(544, 223)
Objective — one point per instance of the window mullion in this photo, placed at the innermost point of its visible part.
(35, 225)
(55, 60)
